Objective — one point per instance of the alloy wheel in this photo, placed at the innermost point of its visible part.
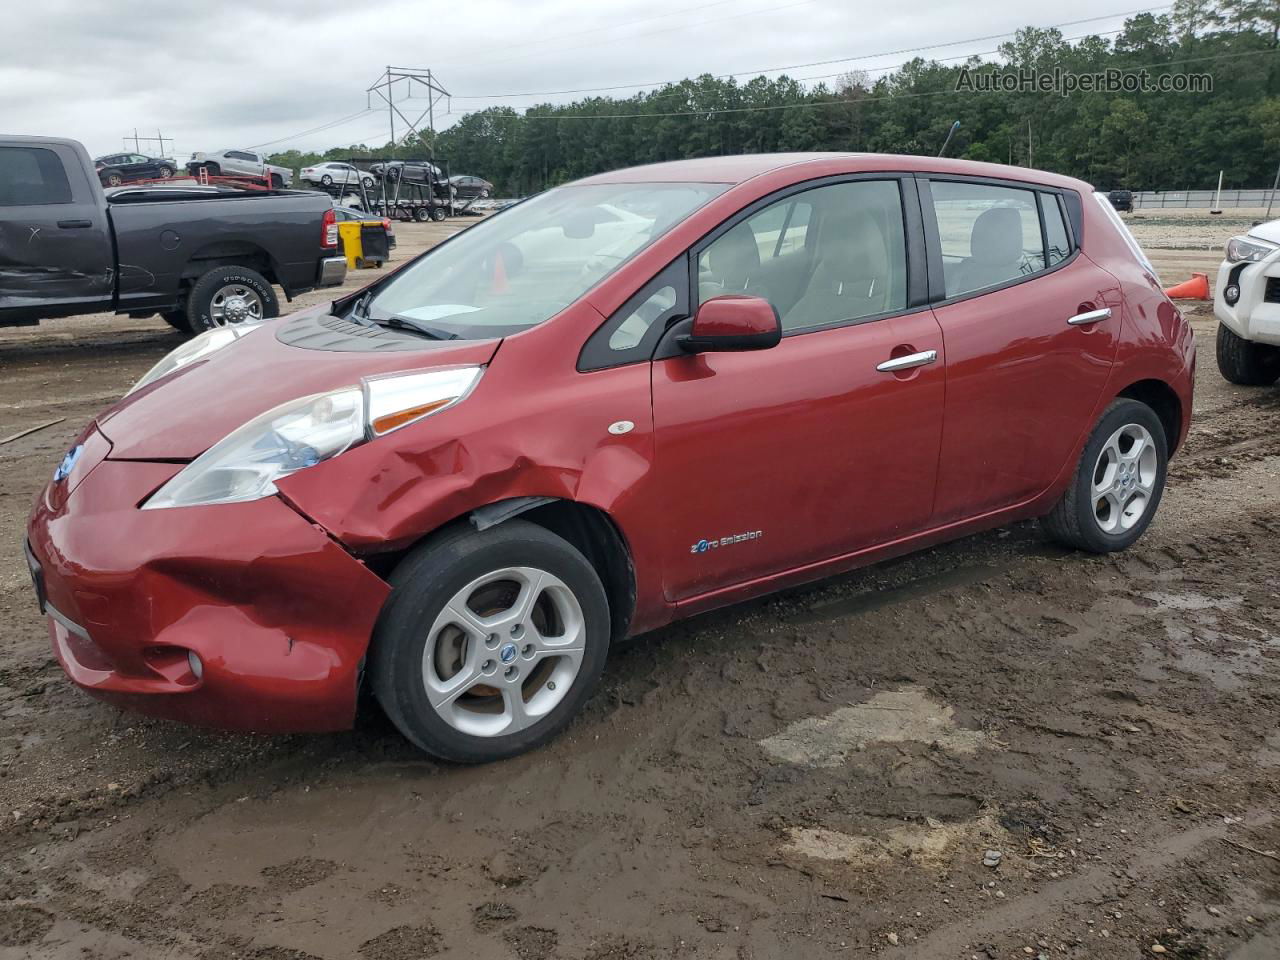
(504, 651)
(1124, 478)
(235, 303)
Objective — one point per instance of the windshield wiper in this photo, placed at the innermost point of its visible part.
(408, 323)
(360, 310)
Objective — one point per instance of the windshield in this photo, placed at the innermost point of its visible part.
(526, 265)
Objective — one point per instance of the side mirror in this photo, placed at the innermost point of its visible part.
(733, 323)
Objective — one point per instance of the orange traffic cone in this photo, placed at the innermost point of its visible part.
(1197, 288)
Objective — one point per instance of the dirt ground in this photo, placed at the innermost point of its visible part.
(818, 774)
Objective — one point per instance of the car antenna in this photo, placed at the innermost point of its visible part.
(950, 133)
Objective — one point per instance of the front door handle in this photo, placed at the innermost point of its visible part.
(907, 362)
(1093, 316)
(75, 224)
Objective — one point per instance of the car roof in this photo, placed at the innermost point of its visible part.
(739, 169)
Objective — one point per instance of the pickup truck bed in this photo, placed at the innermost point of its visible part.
(67, 247)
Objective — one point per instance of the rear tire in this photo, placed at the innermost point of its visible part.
(1116, 489)
(438, 214)
(203, 312)
(165, 172)
(499, 688)
(277, 181)
(1245, 362)
(422, 214)
(177, 319)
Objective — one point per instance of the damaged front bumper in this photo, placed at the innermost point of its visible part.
(239, 616)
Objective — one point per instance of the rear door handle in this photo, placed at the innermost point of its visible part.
(909, 361)
(1093, 316)
(75, 224)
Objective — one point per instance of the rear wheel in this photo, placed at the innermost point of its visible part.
(229, 295)
(113, 178)
(490, 641)
(422, 214)
(438, 213)
(1245, 362)
(177, 319)
(326, 179)
(165, 172)
(277, 181)
(1118, 482)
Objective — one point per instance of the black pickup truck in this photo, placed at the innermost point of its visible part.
(200, 256)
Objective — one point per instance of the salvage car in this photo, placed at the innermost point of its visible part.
(416, 171)
(118, 169)
(336, 174)
(1246, 301)
(624, 401)
(469, 188)
(239, 163)
(200, 256)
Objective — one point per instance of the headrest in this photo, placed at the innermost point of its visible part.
(997, 236)
(735, 256)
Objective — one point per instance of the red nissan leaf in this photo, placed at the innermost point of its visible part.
(618, 403)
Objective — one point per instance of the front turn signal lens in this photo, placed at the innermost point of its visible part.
(401, 399)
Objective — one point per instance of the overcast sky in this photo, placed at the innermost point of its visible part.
(241, 74)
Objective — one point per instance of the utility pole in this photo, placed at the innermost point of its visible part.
(391, 115)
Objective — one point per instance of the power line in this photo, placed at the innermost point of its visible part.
(843, 101)
(650, 33)
(814, 63)
(319, 129)
(615, 26)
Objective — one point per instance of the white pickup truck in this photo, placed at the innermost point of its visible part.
(239, 163)
(1246, 301)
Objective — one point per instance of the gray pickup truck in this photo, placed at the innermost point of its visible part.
(200, 256)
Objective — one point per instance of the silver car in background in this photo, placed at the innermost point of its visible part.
(239, 163)
(336, 174)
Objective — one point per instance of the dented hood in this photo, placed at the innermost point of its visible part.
(182, 415)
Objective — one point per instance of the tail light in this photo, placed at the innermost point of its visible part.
(329, 230)
(386, 224)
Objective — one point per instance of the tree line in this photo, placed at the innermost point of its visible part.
(1142, 139)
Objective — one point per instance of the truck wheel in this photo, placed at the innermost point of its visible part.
(1245, 362)
(229, 295)
(277, 181)
(490, 641)
(422, 214)
(438, 213)
(177, 319)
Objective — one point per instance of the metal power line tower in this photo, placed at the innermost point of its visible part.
(410, 78)
(137, 141)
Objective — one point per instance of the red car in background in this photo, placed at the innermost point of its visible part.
(624, 401)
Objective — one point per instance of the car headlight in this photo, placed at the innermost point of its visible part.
(195, 349)
(1249, 249)
(246, 464)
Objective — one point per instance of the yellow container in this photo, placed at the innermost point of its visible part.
(352, 247)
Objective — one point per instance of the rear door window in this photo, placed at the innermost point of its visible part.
(32, 176)
(990, 235)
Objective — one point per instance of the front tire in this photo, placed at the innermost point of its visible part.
(166, 172)
(490, 641)
(226, 296)
(1245, 362)
(1118, 482)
